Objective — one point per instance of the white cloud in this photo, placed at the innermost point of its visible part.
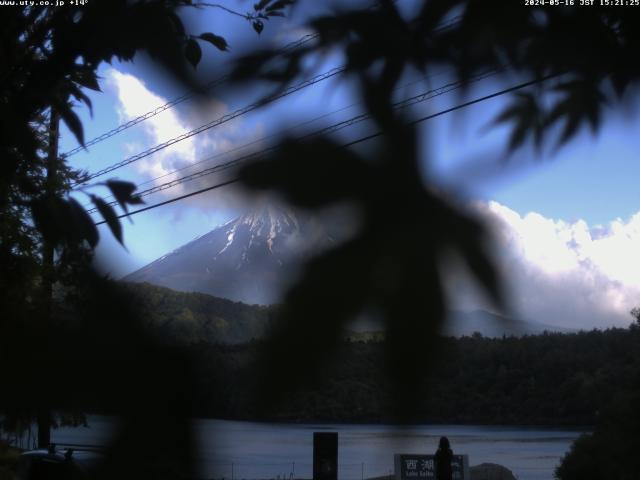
(568, 273)
(134, 99)
(558, 272)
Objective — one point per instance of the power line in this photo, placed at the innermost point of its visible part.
(178, 100)
(360, 140)
(219, 121)
(226, 118)
(323, 131)
(246, 145)
(208, 86)
(171, 200)
(226, 152)
(214, 123)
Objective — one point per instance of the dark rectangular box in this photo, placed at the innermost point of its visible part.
(325, 455)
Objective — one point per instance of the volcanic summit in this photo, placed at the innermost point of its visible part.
(250, 259)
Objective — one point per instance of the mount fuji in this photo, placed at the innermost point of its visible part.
(253, 259)
(250, 259)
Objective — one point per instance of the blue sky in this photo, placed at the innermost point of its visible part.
(565, 222)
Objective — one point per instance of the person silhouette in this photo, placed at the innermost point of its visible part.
(444, 455)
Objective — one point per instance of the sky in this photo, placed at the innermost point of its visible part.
(566, 224)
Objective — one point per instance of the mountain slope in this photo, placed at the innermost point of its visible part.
(181, 318)
(251, 259)
(491, 325)
(459, 324)
(194, 318)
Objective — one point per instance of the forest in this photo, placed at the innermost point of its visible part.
(549, 379)
(184, 318)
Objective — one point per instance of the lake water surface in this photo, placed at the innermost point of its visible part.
(248, 450)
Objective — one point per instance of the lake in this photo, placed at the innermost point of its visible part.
(248, 450)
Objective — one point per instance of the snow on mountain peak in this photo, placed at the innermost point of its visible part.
(250, 258)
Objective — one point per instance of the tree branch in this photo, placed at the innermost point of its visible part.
(228, 10)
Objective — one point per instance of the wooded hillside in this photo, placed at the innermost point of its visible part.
(548, 379)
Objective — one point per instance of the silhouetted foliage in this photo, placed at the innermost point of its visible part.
(611, 451)
(589, 52)
(69, 341)
(50, 55)
(95, 355)
(576, 56)
(582, 57)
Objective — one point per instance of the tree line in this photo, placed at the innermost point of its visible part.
(548, 379)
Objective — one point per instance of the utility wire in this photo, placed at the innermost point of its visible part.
(214, 123)
(226, 152)
(262, 139)
(178, 100)
(189, 95)
(360, 140)
(308, 38)
(171, 200)
(323, 131)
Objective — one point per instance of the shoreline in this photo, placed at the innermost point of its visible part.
(382, 423)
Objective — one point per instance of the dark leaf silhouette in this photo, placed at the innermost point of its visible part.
(73, 122)
(192, 52)
(476, 255)
(64, 222)
(312, 341)
(110, 217)
(85, 225)
(135, 200)
(123, 193)
(260, 5)
(334, 169)
(48, 216)
(177, 24)
(279, 5)
(582, 102)
(527, 120)
(396, 275)
(87, 78)
(217, 41)
(258, 26)
(77, 93)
